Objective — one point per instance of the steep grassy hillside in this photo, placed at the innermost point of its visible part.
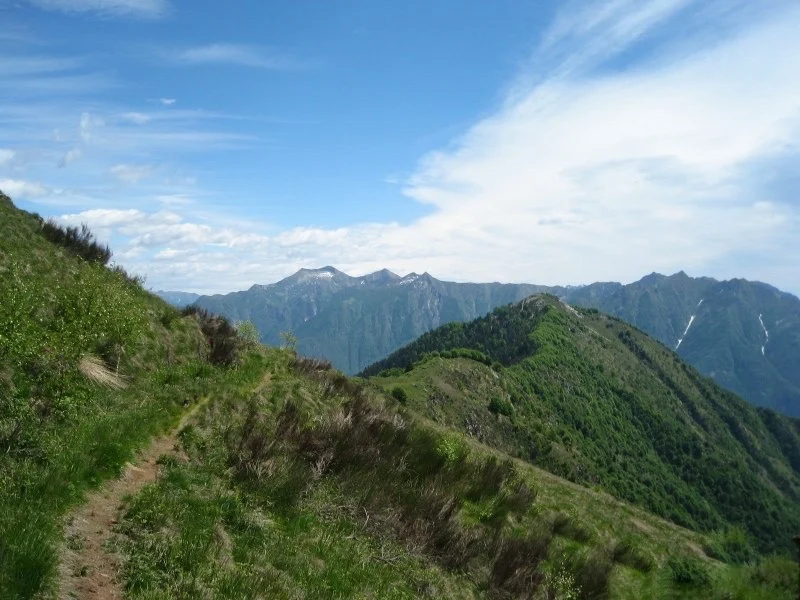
(91, 366)
(597, 401)
(291, 480)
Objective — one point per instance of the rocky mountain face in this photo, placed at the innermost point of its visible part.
(746, 335)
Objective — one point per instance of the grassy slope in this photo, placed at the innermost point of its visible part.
(60, 433)
(318, 487)
(597, 401)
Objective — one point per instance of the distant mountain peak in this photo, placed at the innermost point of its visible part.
(382, 276)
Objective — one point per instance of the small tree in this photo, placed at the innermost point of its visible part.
(248, 333)
(289, 340)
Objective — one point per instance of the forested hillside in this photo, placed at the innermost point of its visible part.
(597, 401)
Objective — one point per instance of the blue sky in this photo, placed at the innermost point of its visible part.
(217, 145)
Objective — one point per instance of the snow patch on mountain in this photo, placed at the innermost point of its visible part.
(691, 320)
(410, 278)
(766, 334)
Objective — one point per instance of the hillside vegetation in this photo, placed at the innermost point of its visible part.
(595, 400)
(292, 481)
(91, 366)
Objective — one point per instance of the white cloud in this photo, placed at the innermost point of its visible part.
(236, 54)
(118, 8)
(6, 155)
(131, 173)
(18, 188)
(88, 125)
(167, 101)
(136, 117)
(70, 157)
(20, 66)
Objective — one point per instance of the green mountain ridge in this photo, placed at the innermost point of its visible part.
(595, 400)
(355, 321)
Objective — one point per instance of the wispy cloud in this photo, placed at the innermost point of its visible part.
(167, 101)
(70, 156)
(237, 54)
(34, 65)
(136, 117)
(143, 9)
(131, 173)
(6, 155)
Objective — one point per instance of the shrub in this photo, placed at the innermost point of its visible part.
(685, 570)
(399, 394)
(515, 569)
(133, 279)
(306, 365)
(592, 571)
(629, 553)
(79, 241)
(731, 545)
(223, 341)
(248, 333)
(501, 406)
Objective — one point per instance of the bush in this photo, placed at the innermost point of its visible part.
(731, 545)
(400, 395)
(223, 341)
(501, 406)
(686, 570)
(79, 241)
(592, 571)
(248, 333)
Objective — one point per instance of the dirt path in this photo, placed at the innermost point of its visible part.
(88, 570)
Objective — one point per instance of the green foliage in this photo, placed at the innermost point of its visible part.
(501, 406)
(80, 241)
(731, 545)
(247, 332)
(399, 394)
(61, 434)
(502, 336)
(685, 570)
(224, 342)
(289, 340)
(594, 400)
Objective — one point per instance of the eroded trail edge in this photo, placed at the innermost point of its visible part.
(88, 568)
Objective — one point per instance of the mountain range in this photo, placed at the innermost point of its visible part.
(744, 334)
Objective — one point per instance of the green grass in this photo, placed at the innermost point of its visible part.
(61, 434)
(317, 488)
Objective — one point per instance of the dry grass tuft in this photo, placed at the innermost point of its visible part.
(96, 370)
